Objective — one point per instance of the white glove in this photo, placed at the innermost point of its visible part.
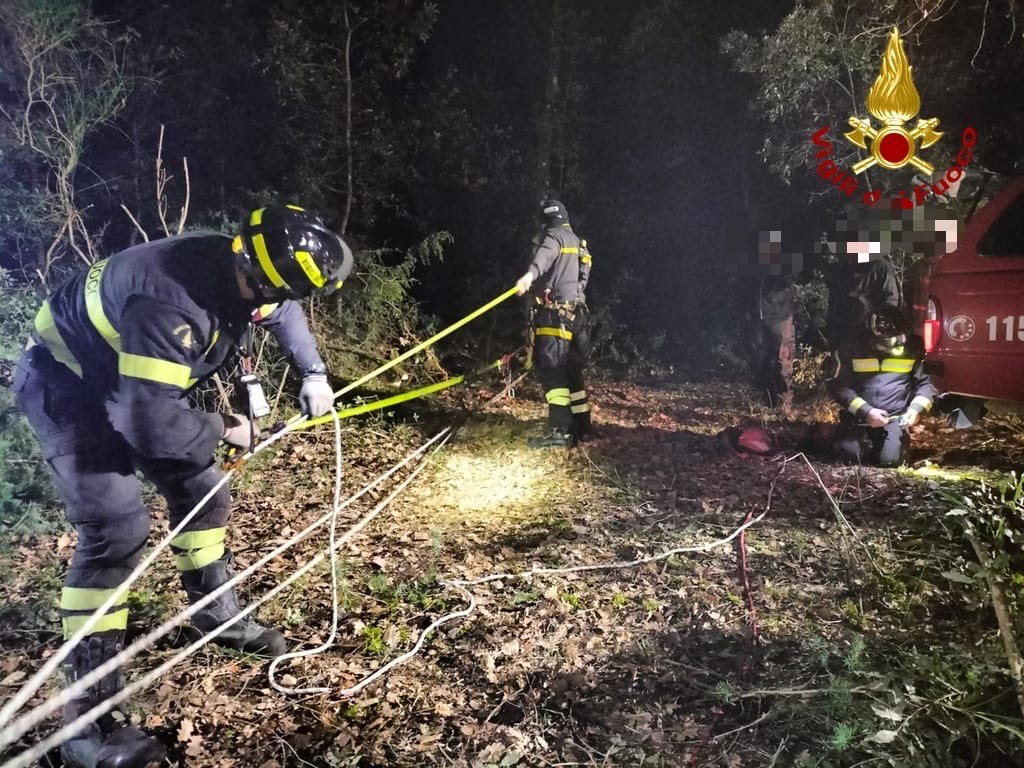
(238, 431)
(316, 396)
(523, 283)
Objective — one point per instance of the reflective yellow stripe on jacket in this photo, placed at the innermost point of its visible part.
(559, 332)
(94, 306)
(154, 369)
(888, 365)
(47, 331)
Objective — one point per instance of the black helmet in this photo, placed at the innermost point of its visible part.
(888, 329)
(552, 209)
(289, 253)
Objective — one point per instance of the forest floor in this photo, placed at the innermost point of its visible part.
(864, 638)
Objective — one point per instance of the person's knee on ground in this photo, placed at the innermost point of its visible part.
(893, 443)
(849, 450)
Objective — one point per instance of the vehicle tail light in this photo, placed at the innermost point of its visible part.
(932, 327)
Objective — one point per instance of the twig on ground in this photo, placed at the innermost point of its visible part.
(778, 752)
(843, 521)
(1005, 621)
(741, 728)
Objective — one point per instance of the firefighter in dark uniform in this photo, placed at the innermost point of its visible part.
(103, 382)
(560, 325)
(883, 390)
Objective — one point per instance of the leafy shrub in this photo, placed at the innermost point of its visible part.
(375, 317)
(25, 487)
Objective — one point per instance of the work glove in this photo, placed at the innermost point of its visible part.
(877, 417)
(316, 396)
(523, 283)
(238, 431)
(910, 418)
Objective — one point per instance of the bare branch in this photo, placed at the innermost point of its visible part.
(135, 222)
(188, 195)
(161, 182)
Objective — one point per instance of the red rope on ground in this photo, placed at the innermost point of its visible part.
(755, 638)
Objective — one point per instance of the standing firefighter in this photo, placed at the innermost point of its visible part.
(560, 325)
(774, 340)
(104, 383)
(883, 390)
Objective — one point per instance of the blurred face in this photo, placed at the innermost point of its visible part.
(947, 228)
(863, 251)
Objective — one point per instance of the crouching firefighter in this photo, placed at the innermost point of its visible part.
(104, 381)
(883, 390)
(559, 325)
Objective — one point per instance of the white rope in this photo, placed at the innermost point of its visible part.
(331, 548)
(34, 683)
(55, 739)
(462, 584)
(616, 565)
(58, 737)
(326, 645)
(466, 594)
(17, 729)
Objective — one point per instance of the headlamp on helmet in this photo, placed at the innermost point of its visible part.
(289, 253)
(552, 209)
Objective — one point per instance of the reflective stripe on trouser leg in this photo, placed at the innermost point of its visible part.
(558, 396)
(579, 404)
(197, 549)
(202, 541)
(556, 392)
(93, 472)
(559, 413)
(78, 603)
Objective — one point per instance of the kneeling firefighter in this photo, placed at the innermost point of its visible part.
(104, 381)
(559, 325)
(883, 390)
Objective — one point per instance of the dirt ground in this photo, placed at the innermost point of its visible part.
(848, 626)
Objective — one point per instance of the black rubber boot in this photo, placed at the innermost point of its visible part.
(110, 742)
(246, 634)
(555, 438)
(582, 428)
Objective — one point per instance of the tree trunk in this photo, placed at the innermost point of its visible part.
(547, 122)
(347, 210)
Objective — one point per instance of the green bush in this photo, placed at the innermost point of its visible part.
(27, 496)
(370, 321)
(375, 317)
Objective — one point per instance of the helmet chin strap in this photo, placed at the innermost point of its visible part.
(248, 287)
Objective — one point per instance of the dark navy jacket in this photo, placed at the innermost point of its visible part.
(145, 326)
